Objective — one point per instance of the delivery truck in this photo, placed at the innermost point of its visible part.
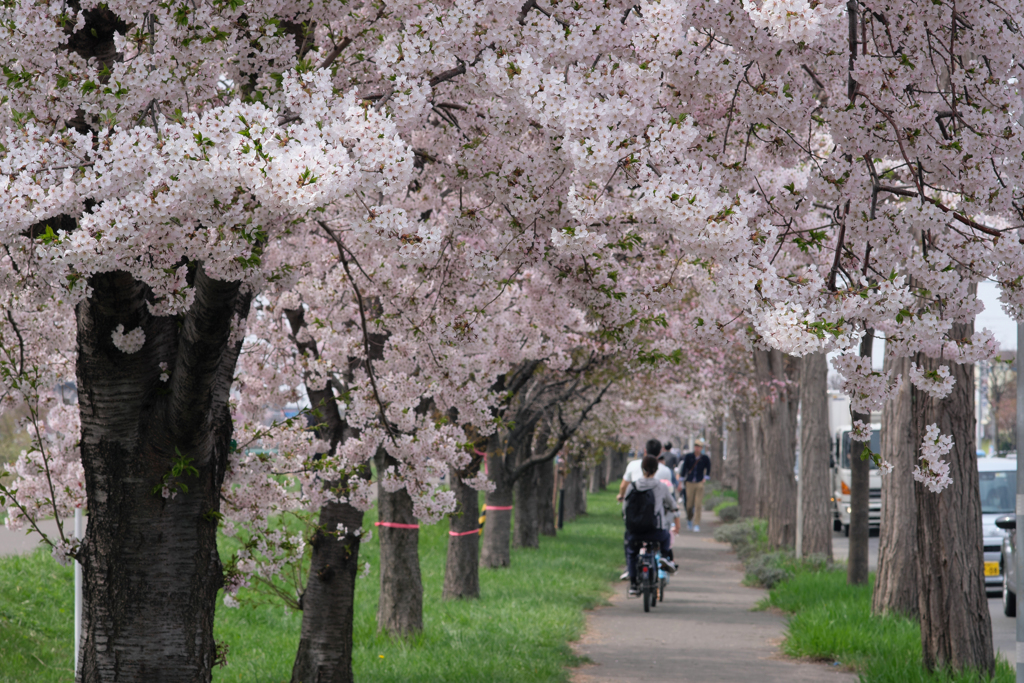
(840, 424)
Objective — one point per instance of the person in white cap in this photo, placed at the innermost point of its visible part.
(695, 470)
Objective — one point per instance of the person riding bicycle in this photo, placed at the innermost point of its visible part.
(646, 506)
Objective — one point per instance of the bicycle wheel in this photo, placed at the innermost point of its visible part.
(653, 574)
(661, 588)
(647, 597)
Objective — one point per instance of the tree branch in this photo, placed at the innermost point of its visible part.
(565, 433)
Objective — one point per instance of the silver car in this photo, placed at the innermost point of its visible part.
(1008, 564)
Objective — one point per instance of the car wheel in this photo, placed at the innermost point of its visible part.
(1009, 599)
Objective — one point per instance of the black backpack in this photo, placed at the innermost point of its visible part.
(640, 516)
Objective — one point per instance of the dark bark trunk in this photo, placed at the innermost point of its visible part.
(581, 493)
(778, 453)
(746, 465)
(400, 608)
(571, 486)
(546, 519)
(956, 628)
(814, 453)
(546, 499)
(860, 468)
(897, 580)
(150, 565)
(462, 569)
(328, 603)
(498, 527)
(526, 530)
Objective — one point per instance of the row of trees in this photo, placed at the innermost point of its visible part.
(929, 542)
(456, 232)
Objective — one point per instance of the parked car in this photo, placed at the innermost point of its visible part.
(1008, 563)
(998, 487)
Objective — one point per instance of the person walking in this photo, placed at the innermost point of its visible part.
(696, 469)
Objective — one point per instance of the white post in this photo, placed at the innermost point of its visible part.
(1019, 551)
(800, 496)
(78, 589)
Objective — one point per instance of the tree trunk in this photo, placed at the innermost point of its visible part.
(730, 468)
(956, 628)
(581, 493)
(526, 530)
(462, 568)
(897, 579)
(400, 607)
(571, 486)
(546, 519)
(620, 458)
(715, 453)
(498, 528)
(778, 429)
(328, 603)
(545, 497)
(762, 461)
(150, 565)
(860, 469)
(597, 483)
(746, 465)
(814, 452)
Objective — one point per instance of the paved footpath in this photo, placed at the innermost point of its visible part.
(704, 632)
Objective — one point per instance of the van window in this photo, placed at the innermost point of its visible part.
(876, 447)
(998, 491)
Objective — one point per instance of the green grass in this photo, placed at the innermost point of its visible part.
(832, 621)
(518, 631)
(36, 619)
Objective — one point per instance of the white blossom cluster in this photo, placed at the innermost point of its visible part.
(128, 342)
(933, 472)
(936, 383)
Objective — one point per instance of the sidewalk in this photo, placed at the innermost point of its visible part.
(705, 630)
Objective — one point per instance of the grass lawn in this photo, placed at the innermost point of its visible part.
(832, 621)
(518, 631)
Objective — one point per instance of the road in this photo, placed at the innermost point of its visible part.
(841, 549)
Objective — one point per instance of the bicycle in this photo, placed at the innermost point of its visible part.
(650, 574)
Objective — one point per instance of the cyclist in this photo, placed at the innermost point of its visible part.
(649, 510)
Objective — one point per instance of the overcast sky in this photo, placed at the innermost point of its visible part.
(994, 318)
